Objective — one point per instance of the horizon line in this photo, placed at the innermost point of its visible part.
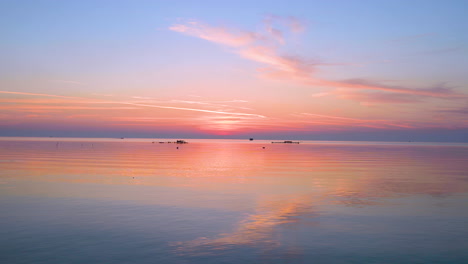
(4, 138)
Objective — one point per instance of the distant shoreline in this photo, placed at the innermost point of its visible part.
(217, 140)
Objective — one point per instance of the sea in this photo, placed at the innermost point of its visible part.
(120, 200)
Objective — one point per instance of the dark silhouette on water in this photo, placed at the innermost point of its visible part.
(287, 142)
(175, 142)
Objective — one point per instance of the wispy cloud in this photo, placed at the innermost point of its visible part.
(39, 94)
(460, 110)
(63, 107)
(221, 104)
(233, 38)
(274, 30)
(263, 47)
(371, 97)
(106, 95)
(438, 91)
(91, 101)
(292, 23)
(142, 97)
(319, 94)
(194, 109)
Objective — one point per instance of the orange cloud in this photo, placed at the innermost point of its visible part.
(39, 94)
(53, 107)
(126, 103)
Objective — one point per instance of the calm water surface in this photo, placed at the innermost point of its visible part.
(232, 201)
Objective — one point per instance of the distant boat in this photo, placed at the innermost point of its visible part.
(175, 142)
(250, 139)
(288, 142)
(181, 142)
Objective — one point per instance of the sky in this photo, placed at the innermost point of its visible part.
(386, 70)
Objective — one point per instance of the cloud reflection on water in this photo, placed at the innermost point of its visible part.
(257, 229)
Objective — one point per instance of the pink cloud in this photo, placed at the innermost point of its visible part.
(258, 47)
(274, 32)
(233, 38)
(293, 24)
(319, 94)
(286, 66)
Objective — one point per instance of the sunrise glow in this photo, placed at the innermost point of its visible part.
(295, 71)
